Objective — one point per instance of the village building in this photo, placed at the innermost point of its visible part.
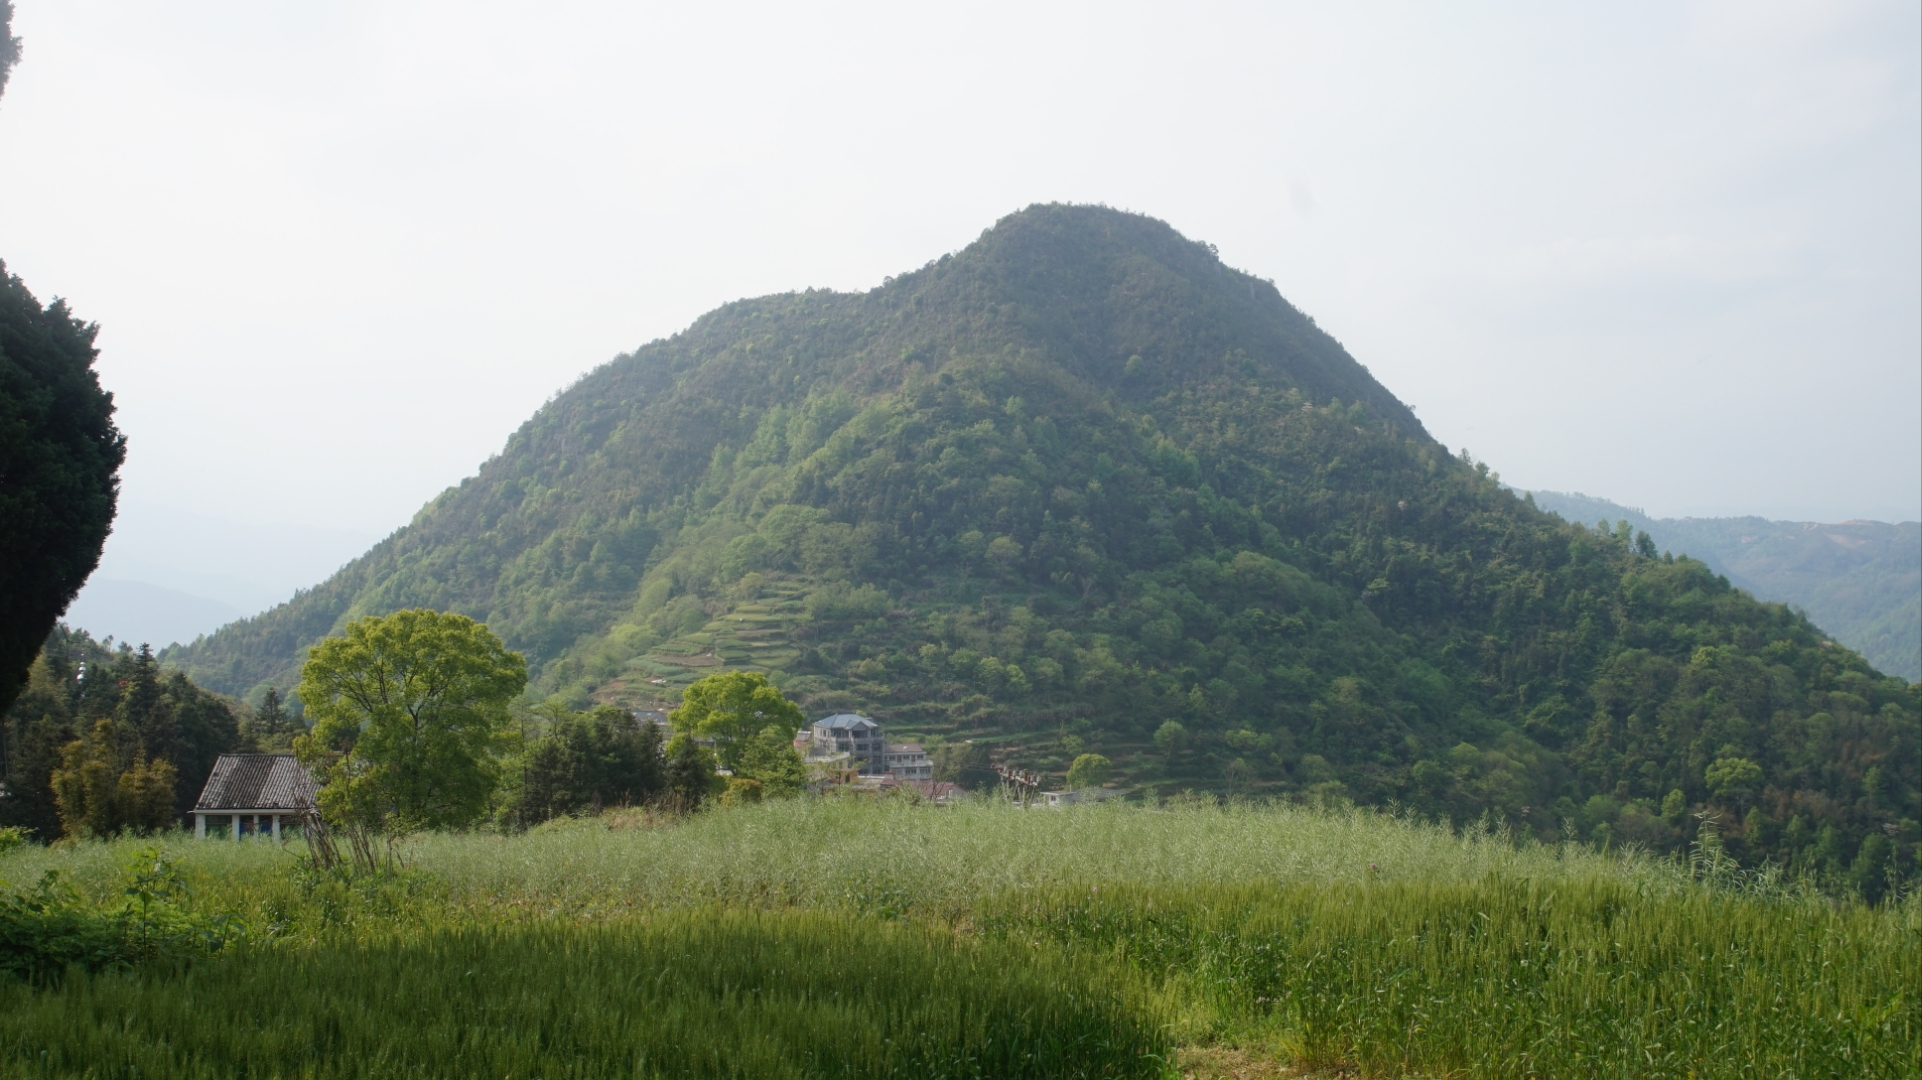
(907, 761)
(851, 734)
(255, 795)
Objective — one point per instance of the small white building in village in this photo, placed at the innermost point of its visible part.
(907, 761)
(255, 795)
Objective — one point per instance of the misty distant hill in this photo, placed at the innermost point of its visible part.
(1859, 580)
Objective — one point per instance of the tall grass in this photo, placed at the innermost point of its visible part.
(1511, 978)
(893, 859)
(687, 994)
(1335, 937)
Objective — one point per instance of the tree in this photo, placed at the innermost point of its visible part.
(60, 456)
(1733, 778)
(589, 760)
(1089, 771)
(37, 728)
(201, 727)
(1170, 736)
(407, 711)
(690, 773)
(74, 684)
(100, 793)
(271, 717)
(144, 713)
(965, 763)
(731, 708)
(9, 45)
(770, 759)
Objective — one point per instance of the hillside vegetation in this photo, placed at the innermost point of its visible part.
(1082, 487)
(1859, 580)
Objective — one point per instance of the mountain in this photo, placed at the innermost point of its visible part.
(1082, 487)
(142, 611)
(1859, 580)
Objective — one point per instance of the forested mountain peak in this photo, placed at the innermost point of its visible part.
(1080, 487)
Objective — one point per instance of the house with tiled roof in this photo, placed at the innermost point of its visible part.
(255, 795)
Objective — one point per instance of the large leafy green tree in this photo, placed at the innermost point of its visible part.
(733, 708)
(60, 456)
(407, 711)
(769, 759)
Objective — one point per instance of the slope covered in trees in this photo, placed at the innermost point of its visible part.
(1859, 580)
(1083, 488)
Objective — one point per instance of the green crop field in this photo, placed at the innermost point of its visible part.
(851, 938)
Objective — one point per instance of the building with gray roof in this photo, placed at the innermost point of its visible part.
(255, 795)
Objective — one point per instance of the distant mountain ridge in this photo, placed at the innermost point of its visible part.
(1859, 580)
(1082, 487)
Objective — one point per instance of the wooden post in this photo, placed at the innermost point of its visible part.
(235, 818)
(200, 826)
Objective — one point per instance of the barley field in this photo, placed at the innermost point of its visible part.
(844, 938)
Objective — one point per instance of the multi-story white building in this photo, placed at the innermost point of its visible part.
(867, 753)
(851, 734)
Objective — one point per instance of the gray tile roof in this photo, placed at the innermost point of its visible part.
(257, 782)
(846, 720)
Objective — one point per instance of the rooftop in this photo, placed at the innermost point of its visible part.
(258, 782)
(846, 720)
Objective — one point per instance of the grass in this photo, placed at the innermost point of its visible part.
(1326, 940)
(882, 857)
(1515, 978)
(699, 994)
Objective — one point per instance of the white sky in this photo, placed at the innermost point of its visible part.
(1666, 253)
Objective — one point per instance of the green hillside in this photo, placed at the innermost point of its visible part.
(1859, 580)
(1080, 485)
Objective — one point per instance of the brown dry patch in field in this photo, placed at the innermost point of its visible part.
(1223, 1063)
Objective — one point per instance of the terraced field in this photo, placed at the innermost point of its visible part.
(752, 636)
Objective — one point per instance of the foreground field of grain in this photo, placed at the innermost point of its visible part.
(847, 939)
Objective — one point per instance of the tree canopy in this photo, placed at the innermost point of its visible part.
(115, 725)
(734, 709)
(60, 456)
(583, 761)
(408, 710)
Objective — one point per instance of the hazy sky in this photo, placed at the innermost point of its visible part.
(1666, 253)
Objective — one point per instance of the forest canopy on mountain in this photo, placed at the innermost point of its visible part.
(1082, 481)
(1859, 580)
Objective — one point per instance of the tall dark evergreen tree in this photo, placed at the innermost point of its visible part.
(60, 456)
(271, 718)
